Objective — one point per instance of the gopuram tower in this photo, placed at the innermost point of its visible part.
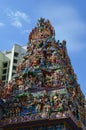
(44, 93)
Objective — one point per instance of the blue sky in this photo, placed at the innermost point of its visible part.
(18, 17)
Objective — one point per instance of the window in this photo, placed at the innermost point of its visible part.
(13, 73)
(4, 71)
(3, 77)
(14, 67)
(15, 61)
(5, 64)
(16, 54)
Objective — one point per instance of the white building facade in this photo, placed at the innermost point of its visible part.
(9, 61)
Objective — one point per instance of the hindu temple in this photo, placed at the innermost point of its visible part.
(44, 93)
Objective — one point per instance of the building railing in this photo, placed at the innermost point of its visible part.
(41, 116)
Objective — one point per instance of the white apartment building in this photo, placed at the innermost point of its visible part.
(9, 61)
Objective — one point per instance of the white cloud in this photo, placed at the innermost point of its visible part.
(1, 24)
(17, 23)
(17, 18)
(22, 15)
